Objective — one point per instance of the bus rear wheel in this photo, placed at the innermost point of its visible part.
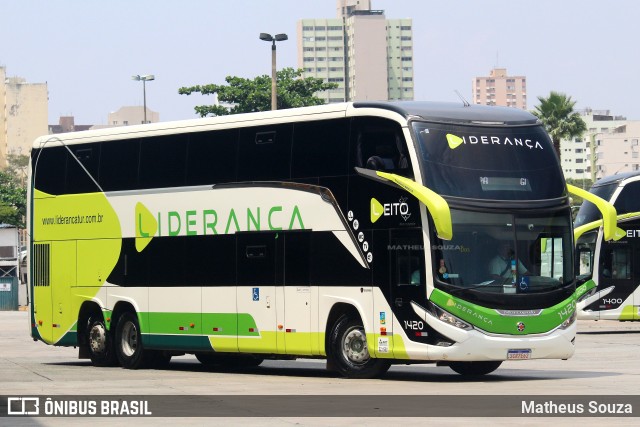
(349, 351)
(474, 368)
(131, 354)
(157, 359)
(100, 342)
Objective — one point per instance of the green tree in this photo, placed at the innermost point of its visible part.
(18, 164)
(13, 199)
(557, 116)
(246, 95)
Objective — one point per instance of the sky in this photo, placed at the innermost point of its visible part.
(87, 50)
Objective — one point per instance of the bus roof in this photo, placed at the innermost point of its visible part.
(401, 110)
(455, 112)
(616, 178)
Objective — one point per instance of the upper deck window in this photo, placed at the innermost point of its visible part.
(588, 211)
(501, 163)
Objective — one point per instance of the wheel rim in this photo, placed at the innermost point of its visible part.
(98, 338)
(354, 346)
(129, 339)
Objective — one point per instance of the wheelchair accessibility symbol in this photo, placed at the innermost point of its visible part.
(256, 294)
(524, 283)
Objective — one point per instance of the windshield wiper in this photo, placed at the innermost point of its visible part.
(479, 285)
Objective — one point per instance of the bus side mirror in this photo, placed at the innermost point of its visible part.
(437, 206)
(609, 215)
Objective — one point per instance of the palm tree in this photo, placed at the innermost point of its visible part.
(557, 116)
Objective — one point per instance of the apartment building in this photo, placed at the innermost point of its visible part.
(575, 154)
(368, 56)
(499, 88)
(132, 115)
(23, 114)
(618, 151)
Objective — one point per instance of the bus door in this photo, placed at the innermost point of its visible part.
(616, 281)
(54, 274)
(408, 280)
(63, 278)
(297, 294)
(259, 276)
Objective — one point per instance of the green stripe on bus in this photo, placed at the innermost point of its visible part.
(68, 339)
(176, 342)
(630, 312)
(490, 320)
(219, 324)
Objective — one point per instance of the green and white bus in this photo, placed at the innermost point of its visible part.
(364, 233)
(610, 269)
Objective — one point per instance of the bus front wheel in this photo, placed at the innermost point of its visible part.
(129, 342)
(474, 368)
(100, 342)
(350, 353)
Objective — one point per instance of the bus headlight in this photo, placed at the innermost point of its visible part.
(570, 320)
(587, 294)
(449, 318)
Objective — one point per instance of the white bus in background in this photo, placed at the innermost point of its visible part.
(611, 269)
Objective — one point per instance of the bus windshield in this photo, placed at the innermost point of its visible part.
(505, 253)
(499, 163)
(585, 250)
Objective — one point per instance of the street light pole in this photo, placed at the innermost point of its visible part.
(277, 38)
(144, 79)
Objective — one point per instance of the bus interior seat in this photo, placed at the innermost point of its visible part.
(378, 151)
(380, 163)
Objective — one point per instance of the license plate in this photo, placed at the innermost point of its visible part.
(519, 354)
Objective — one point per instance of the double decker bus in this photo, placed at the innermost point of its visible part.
(610, 269)
(366, 233)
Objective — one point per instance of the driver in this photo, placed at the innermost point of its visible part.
(500, 265)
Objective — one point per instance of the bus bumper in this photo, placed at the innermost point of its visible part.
(588, 315)
(476, 345)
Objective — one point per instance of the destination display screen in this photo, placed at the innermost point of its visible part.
(497, 183)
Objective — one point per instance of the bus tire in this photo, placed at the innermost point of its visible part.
(100, 342)
(129, 349)
(229, 360)
(157, 359)
(208, 359)
(349, 352)
(247, 361)
(474, 368)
